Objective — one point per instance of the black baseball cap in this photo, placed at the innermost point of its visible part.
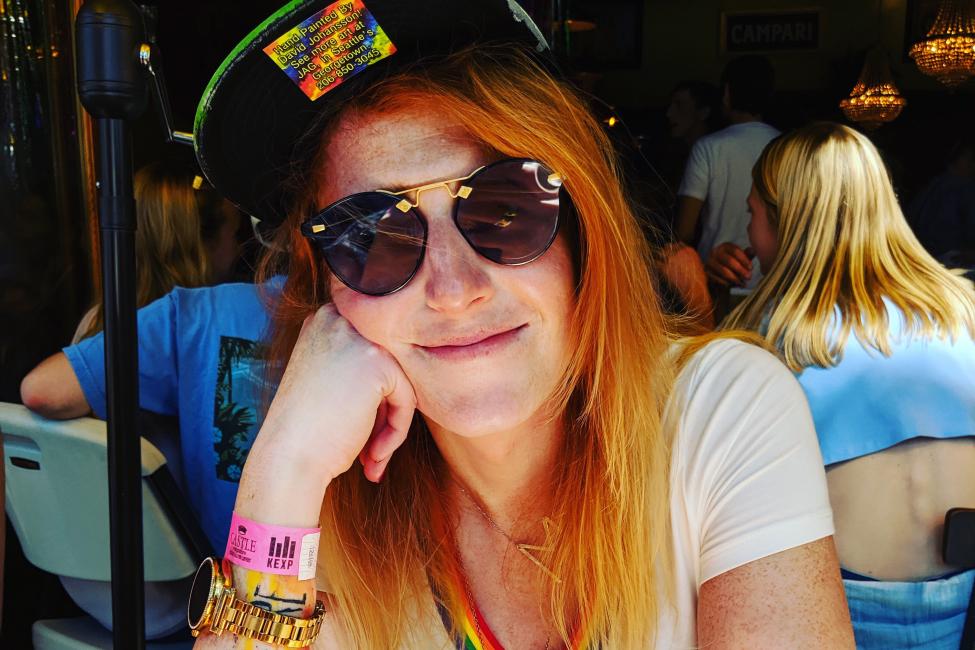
(311, 55)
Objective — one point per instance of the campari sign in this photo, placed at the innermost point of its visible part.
(770, 31)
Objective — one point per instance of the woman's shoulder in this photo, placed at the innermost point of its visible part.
(728, 389)
(726, 358)
(747, 475)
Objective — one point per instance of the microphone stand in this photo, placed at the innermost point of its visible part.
(113, 89)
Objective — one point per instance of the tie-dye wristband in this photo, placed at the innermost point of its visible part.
(273, 549)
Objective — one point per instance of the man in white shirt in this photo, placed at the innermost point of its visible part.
(718, 176)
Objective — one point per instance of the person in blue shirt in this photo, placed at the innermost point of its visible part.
(201, 362)
(881, 337)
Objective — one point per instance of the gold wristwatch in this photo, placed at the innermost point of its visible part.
(214, 607)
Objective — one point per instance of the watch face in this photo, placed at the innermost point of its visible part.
(200, 593)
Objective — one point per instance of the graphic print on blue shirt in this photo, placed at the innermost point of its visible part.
(181, 336)
(237, 404)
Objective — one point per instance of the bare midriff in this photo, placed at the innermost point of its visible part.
(889, 507)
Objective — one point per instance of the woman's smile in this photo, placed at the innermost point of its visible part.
(473, 346)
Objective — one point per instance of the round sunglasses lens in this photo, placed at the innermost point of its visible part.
(512, 213)
(370, 244)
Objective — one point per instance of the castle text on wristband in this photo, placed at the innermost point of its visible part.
(273, 549)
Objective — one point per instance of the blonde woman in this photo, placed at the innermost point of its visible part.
(469, 314)
(185, 237)
(881, 336)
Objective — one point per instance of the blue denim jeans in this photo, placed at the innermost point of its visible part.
(925, 615)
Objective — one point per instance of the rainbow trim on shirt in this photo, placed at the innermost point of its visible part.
(467, 627)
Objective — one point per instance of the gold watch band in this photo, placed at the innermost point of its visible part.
(238, 617)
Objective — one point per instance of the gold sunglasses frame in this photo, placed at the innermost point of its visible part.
(463, 192)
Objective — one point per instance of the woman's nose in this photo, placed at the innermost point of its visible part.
(454, 277)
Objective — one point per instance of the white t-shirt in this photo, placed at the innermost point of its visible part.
(747, 479)
(719, 172)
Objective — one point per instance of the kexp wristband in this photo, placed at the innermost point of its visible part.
(273, 549)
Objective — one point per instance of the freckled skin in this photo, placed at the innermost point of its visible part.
(800, 588)
(500, 398)
(456, 291)
(792, 599)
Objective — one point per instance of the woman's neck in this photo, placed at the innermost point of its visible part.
(509, 472)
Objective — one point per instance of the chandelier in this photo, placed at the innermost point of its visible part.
(948, 51)
(874, 99)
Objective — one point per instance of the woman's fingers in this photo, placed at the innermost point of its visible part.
(398, 408)
(381, 452)
(366, 456)
(366, 416)
(721, 275)
(327, 430)
(381, 447)
(729, 264)
(741, 259)
(735, 260)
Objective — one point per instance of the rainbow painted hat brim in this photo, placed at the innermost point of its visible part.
(253, 124)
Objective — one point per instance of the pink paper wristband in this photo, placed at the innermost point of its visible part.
(273, 549)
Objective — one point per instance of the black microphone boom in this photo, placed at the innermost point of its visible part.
(113, 89)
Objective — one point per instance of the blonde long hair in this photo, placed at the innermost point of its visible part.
(843, 244)
(169, 247)
(611, 484)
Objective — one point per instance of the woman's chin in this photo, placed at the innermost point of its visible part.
(476, 418)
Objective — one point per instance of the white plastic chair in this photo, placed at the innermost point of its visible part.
(57, 501)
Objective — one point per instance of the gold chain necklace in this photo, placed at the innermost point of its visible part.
(523, 548)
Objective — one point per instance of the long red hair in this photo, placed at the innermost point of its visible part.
(611, 484)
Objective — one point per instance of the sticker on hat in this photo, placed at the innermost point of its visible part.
(330, 46)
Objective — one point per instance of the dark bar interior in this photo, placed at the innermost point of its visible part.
(803, 178)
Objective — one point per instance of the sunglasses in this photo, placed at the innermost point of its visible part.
(374, 242)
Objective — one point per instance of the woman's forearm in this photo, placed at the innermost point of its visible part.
(337, 391)
(287, 499)
(277, 594)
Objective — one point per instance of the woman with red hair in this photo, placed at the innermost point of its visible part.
(469, 313)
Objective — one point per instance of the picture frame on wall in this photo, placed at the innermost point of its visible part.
(776, 30)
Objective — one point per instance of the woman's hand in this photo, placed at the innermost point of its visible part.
(729, 265)
(341, 398)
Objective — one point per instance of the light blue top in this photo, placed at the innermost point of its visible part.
(869, 402)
